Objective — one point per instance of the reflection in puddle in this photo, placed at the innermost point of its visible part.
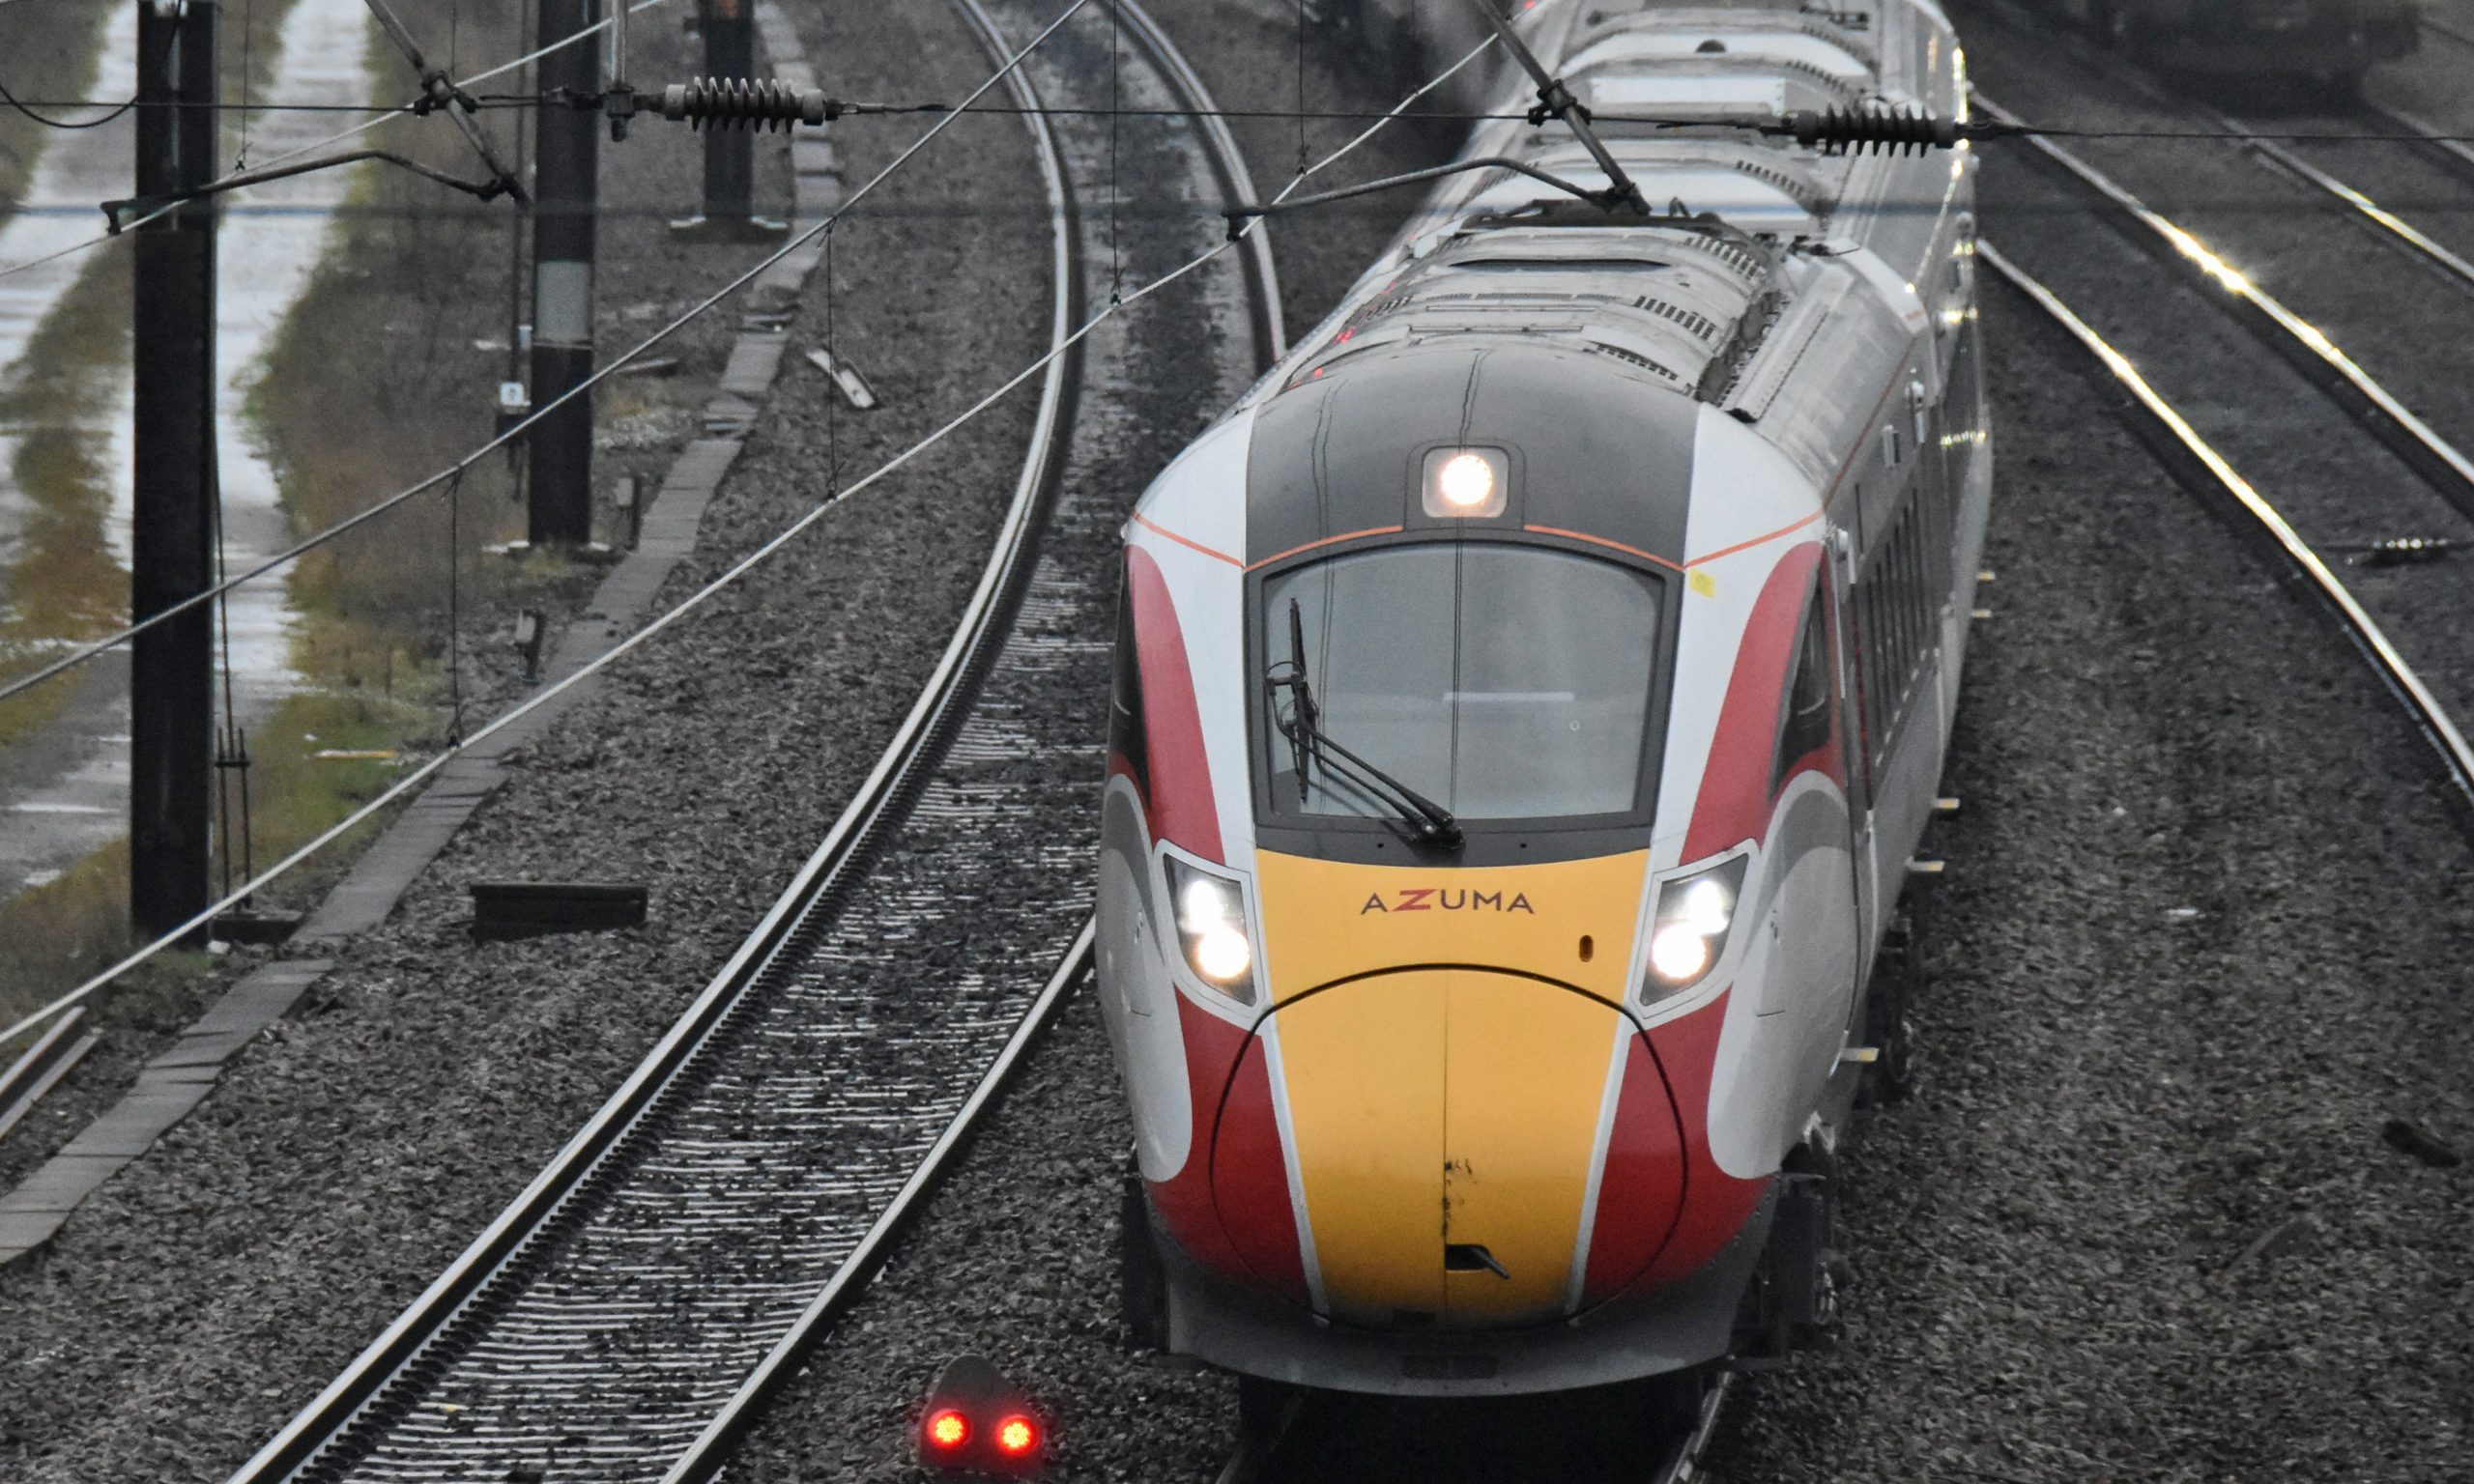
(64, 410)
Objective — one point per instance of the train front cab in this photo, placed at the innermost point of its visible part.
(1504, 1117)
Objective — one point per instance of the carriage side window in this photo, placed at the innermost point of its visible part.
(1804, 722)
(1897, 609)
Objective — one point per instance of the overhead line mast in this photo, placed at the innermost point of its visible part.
(171, 667)
(568, 165)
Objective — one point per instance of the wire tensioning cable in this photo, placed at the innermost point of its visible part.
(87, 652)
(733, 574)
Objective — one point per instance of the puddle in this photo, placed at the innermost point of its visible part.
(65, 378)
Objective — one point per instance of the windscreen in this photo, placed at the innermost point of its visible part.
(1501, 681)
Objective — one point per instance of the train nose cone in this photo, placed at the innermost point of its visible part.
(1449, 1127)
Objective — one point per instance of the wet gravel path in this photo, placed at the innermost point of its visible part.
(194, 1305)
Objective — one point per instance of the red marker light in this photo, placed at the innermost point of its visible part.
(948, 1429)
(1017, 1437)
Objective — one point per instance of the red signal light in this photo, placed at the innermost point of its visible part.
(1017, 1437)
(948, 1429)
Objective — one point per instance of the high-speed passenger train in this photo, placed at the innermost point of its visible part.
(1528, 701)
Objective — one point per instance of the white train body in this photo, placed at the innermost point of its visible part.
(1645, 550)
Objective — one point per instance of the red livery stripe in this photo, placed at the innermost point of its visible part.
(1716, 1204)
(1183, 811)
(1229, 1206)
(1645, 1179)
(1734, 802)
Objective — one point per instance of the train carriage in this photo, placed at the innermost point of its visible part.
(1528, 702)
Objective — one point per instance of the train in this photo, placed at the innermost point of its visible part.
(2334, 42)
(1528, 704)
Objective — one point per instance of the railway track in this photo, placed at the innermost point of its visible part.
(2343, 477)
(2302, 344)
(2386, 225)
(2209, 474)
(634, 1307)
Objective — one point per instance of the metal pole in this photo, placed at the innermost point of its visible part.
(730, 154)
(567, 177)
(171, 670)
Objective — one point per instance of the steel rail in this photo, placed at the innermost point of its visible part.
(2304, 346)
(1228, 165)
(889, 787)
(2444, 29)
(791, 928)
(2390, 119)
(2395, 121)
(705, 1458)
(616, 366)
(2396, 228)
(694, 601)
(2211, 476)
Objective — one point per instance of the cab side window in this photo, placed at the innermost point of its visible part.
(1803, 721)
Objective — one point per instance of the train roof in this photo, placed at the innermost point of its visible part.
(1681, 302)
(1772, 282)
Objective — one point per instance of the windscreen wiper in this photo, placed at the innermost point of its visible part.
(1304, 729)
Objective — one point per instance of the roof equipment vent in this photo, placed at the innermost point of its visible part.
(1700, 326)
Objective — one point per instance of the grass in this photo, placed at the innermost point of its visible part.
(63, 930)
(372, 619)
(68, 928)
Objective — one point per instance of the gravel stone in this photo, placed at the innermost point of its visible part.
(213, 1289)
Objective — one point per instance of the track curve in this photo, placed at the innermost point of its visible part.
(349, 1422)
(573, 1336)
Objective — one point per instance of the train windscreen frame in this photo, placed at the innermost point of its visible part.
(1520, 684)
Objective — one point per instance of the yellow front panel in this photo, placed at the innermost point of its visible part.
(1526, 1070)
(1326, 919)
(1430, 1106)
(1364, 1070)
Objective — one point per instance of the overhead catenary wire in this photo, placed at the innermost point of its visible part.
(488, 102)
(737, 570)
(87, 652)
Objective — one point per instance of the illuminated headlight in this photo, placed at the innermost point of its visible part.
(1688, 930)
(1212, 929)
(1467, 483)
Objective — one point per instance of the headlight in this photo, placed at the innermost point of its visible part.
(1688, 931)
(1211, 927)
